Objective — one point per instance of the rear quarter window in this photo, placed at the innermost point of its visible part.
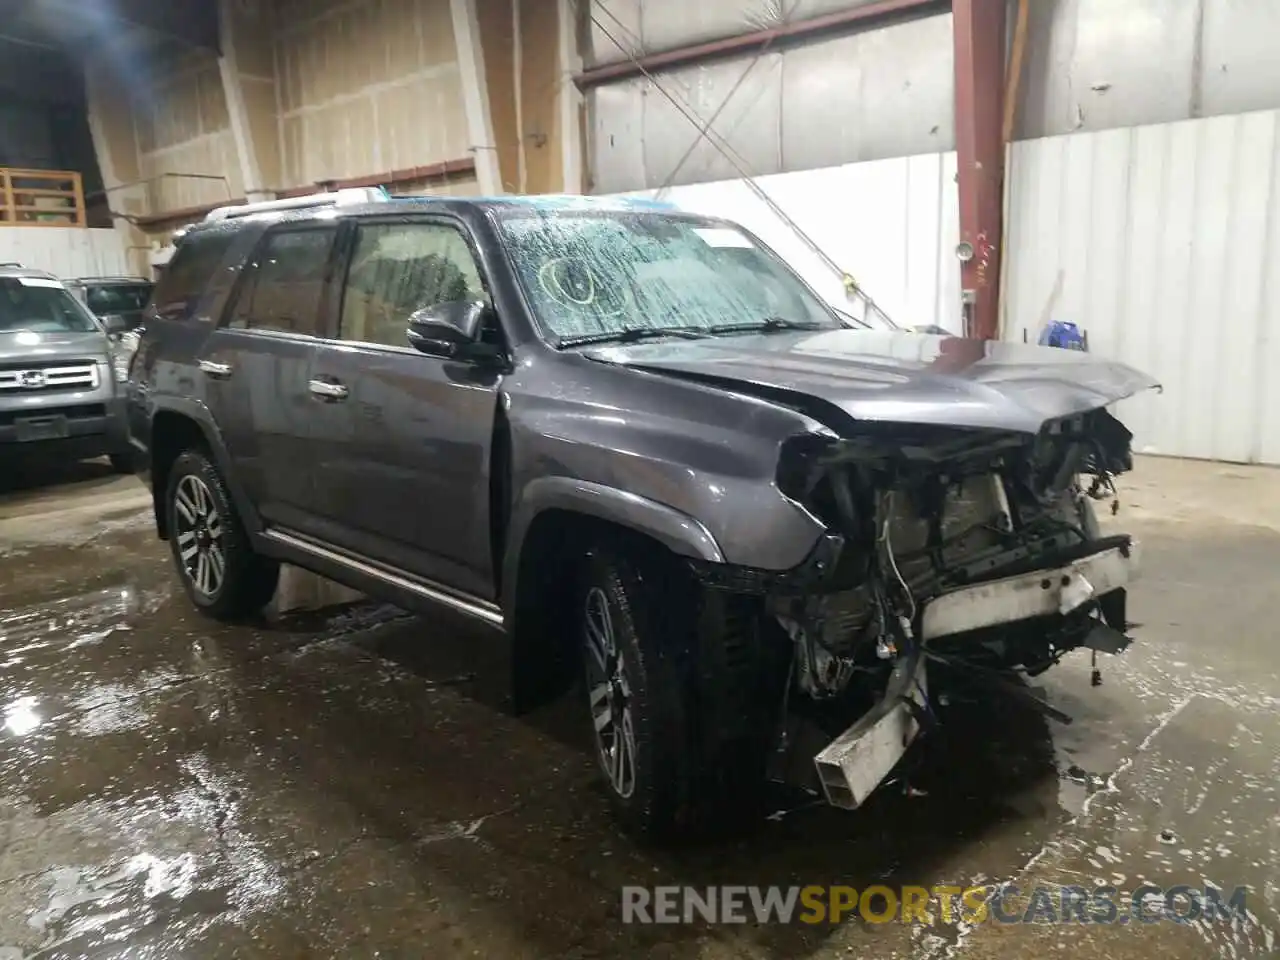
(188, 274)
(111, 298)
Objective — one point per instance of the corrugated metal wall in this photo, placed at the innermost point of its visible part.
(883, 93)
(1091, 65)
(1101, 64)
(1163, 242)
(649, 26)
(65, 253)
(892, 224)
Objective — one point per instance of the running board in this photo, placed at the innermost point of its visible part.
(436, 593)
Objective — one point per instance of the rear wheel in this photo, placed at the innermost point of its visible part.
(121, 463)
(222, 575)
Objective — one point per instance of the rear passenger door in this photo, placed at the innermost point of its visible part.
(404, 443)
(257, 366)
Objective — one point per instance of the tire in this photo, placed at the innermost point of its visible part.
(218, 568)
(665, 777)
(121, 462)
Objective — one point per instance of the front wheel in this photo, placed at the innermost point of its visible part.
(666, 771)
(222, 575)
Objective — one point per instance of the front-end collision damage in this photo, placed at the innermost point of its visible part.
(977, 548)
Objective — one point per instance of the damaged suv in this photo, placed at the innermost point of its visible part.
(632, 439)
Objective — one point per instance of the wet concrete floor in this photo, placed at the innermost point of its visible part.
(352, 783)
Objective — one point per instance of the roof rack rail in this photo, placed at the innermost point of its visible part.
(349, 196)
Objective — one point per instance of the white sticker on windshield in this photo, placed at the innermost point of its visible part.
(40, 282)
(724, 237)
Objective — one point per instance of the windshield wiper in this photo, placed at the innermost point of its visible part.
(632, 335)
(767, 325)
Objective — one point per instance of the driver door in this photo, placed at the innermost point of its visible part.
(404, 438)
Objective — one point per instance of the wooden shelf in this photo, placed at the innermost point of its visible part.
(20, 187)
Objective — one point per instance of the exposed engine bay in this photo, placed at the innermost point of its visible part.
(979, 549)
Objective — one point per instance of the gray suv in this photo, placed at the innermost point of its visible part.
(634, 441)
(61, 387)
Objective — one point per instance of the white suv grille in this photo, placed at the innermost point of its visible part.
(78, 376)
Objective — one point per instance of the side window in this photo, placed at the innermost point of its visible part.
(400, 268)
(188, 273)
(284, 284)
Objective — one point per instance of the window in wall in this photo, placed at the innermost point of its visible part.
(398, 269)
(285, 288)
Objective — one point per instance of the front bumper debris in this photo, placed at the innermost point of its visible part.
(1060, 589)
(855, 763)
(852, 765)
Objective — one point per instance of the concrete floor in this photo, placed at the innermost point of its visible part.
(351, 784)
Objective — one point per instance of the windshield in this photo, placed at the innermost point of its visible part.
(590, 275)
(117, 298)
(41, 306)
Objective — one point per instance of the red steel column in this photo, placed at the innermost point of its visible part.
(979, 28)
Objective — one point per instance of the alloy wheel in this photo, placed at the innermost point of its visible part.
(609, 691)
(199, 533)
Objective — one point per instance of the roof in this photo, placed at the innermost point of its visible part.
(414, 204)
(107, 280)
(552, 201)
(18, 270)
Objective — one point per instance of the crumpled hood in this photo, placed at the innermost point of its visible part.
(899, 377)
(38, 349)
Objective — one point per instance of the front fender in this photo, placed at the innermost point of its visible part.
(679, 532)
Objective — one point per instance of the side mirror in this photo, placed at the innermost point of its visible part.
(115, 323)
(450, 329)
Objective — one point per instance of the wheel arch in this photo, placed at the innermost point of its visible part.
(187, 425)
(555, 522)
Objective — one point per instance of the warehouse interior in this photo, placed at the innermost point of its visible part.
(1063, 144)
(326, 784)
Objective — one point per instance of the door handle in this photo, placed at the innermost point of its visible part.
(327, 390)
(214, 369)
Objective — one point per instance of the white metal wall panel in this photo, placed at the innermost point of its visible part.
(65, 252)
(1094, 64)
(623, 28)
(880, 93)
(1091, 65)
(1161, 242)
(892, 224)
(756, 107)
